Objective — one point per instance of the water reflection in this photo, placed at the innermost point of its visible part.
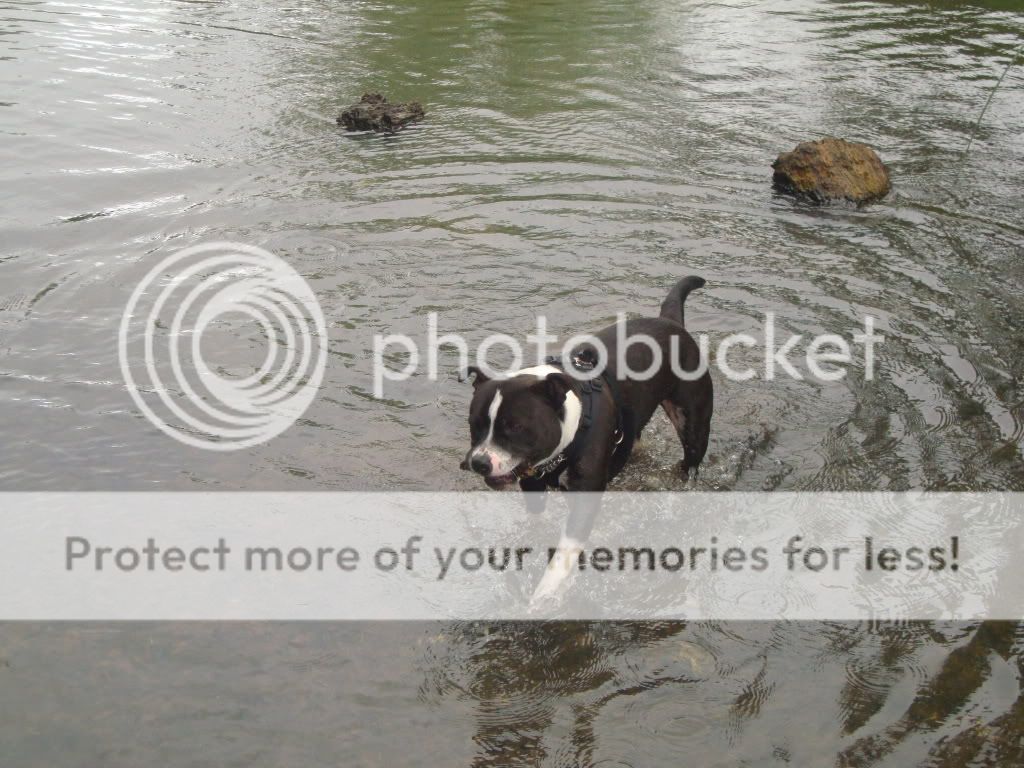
(617, 694)
(522, 676)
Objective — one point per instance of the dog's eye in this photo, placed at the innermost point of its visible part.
(513, 427)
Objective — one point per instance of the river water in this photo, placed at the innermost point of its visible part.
(577, 159)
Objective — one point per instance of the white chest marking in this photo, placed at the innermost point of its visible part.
(570, 424)
(573, 409)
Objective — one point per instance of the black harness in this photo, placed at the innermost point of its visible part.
(589, 391)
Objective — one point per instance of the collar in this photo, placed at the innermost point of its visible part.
(544, 468)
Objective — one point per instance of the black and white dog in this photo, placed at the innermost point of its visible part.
(540, 423)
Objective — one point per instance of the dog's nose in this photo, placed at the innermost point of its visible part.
(481, 464)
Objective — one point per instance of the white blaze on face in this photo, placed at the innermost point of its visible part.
(502, 462)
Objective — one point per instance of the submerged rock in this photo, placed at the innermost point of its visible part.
(832, 169)
(375, 113)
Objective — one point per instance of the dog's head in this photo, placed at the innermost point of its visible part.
(519, 422)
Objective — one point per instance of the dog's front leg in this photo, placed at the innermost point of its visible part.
(583, 511)
(535, 495)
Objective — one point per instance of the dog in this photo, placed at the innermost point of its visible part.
(572, 424)
(543, 422)
(540, 423)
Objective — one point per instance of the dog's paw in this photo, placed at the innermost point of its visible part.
(557, 575)
(543, 605)
(689, 474)
(548, 599)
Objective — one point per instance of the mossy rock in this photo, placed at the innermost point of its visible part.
(376, 113)
(832, 169)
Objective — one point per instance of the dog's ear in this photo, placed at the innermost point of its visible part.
(555, 387)
(479, 377)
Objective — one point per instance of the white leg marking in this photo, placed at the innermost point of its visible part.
(559, 568)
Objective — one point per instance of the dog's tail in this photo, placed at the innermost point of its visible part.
(672, 307)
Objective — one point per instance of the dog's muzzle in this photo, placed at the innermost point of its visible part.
(481, 464)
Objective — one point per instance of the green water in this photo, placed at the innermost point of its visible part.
(577, 158)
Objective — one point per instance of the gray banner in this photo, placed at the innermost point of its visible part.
(724, 556)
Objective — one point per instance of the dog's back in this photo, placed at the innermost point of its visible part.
(688, 398)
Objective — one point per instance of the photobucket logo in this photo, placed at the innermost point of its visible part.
(738, 356)
(212, 289)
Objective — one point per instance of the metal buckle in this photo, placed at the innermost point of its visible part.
(583, 364)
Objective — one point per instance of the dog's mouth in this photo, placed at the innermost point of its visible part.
(499, 482)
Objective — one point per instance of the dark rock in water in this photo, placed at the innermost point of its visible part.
(832, 169)
(375, 113)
